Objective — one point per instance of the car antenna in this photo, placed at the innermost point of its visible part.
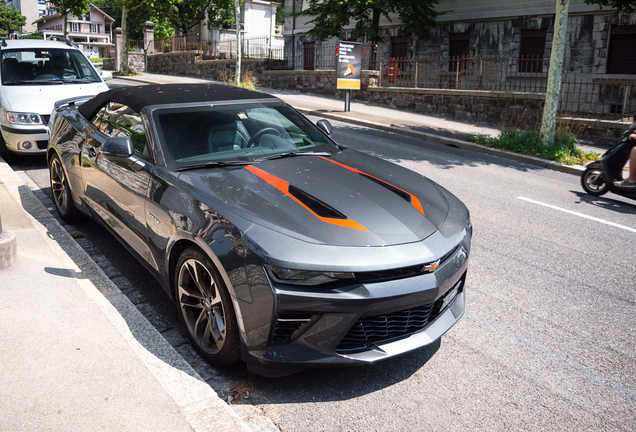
(4, 43)
(68, 42)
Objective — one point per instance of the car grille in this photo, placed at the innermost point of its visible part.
(42, 144)
(45, 119)
(399, 273)
(369, 331)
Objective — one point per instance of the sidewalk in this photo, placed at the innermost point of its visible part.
(76, 354)
(428, 128)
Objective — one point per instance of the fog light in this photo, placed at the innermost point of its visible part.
(27, 144)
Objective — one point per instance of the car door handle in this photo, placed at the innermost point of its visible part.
(91, 151)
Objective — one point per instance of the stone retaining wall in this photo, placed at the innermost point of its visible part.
(502, 109)
(136, 63)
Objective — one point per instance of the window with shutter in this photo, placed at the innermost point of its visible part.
(622, 46)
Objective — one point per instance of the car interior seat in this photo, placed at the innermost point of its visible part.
(226, 137)
(10, 69)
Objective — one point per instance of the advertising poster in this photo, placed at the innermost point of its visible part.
(348, 65)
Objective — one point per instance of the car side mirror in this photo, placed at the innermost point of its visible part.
(118, 149)
(106, 75)
(325, 126)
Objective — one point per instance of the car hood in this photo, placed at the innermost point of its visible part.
(41, 98)
(350, 199)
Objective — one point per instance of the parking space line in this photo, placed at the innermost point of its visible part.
(578, 214)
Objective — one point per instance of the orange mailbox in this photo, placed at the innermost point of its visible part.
(393, 71)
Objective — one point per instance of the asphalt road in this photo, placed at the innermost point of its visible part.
(548, 338)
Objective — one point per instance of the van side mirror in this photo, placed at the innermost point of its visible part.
(106, 75)
(325, 126)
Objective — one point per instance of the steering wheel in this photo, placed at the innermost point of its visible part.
(256, 138)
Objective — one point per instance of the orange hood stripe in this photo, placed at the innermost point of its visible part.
(415, 202)
(283, 186)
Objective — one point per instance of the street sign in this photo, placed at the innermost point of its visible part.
(348, 65)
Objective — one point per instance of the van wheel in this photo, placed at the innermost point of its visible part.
(5, 153)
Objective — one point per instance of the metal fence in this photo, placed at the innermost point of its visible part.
(314, 56)
(582, 94)
(252, 47)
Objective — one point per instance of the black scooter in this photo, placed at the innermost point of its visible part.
(599, 177)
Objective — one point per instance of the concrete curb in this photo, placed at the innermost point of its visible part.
(8, 248)
(198, 402)
(451, 142)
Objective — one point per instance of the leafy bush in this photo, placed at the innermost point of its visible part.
(529, 142)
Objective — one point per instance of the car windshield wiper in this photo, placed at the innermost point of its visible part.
(290, 154)
(212, 164)
(76, 80)
(25, 82)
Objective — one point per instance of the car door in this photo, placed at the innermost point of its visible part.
(116, 191)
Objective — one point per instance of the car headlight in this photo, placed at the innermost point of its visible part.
(24, 118)
(306, 277)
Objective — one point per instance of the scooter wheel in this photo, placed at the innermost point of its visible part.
(593, 181)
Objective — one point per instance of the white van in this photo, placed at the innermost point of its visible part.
(34, 75)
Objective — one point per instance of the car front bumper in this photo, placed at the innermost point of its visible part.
(360, 324)
(15, 138)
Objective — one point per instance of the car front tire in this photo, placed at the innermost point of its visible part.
(62, 196)
(205, 308)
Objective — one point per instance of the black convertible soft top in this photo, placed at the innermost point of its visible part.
(139, 97)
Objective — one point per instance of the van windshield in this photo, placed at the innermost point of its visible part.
(34, 66)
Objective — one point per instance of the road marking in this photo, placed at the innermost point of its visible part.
(578, 214)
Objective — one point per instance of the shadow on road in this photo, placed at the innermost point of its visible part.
(331, 384)
(607, 203)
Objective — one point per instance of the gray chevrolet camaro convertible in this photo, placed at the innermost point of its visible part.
(279, 246)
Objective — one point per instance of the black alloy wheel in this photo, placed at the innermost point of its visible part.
(593, 181)
(61, 192)
(205, 308)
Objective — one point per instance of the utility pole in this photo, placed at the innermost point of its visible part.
(237, 18)
(551, 104)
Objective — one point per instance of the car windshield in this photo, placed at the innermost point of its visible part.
(196, 136)
(34, 66)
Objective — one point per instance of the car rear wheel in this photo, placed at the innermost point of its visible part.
(205, 308)
(61, 192)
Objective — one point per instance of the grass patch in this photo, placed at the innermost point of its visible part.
(248, 80)
(528, 142)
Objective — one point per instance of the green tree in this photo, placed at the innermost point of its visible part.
(78, 8)
(627, 6)
(331, 16)
(10, 19)
(185, 14)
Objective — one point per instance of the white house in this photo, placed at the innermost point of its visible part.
(92, 33)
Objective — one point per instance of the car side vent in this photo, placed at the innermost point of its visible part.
(317, 206)
(405, 196)
(287, 325)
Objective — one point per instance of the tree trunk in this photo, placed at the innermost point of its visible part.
(65, 25)
(551, 104)
(123, 67)
(376, 25)
(237, 18)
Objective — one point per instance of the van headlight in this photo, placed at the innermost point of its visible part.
(24, 118)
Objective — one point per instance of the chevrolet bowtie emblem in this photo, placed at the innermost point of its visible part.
(430, 267)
